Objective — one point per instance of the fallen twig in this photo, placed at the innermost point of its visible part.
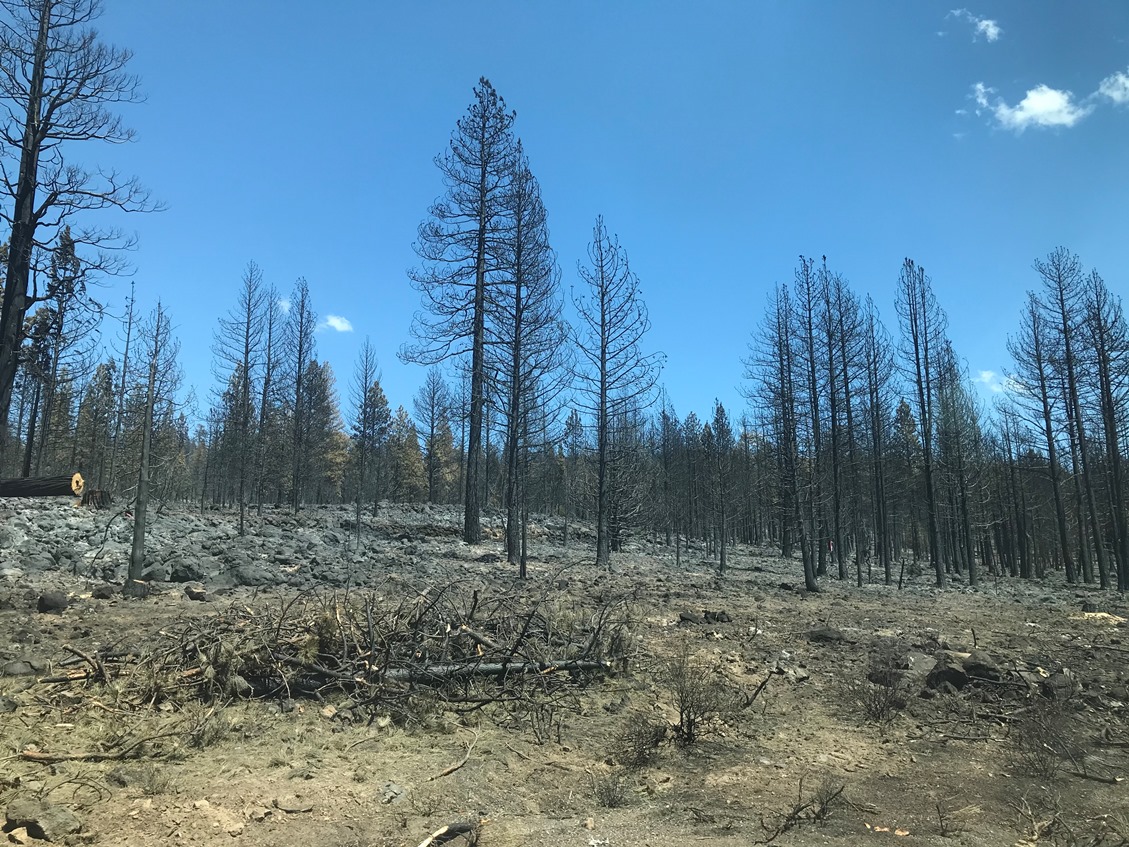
(54, 758)
(450, 831)
(129, 752)
(457, 765)
(96, 666)
(1108, 780)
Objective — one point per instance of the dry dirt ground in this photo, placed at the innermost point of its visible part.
(1034, 752)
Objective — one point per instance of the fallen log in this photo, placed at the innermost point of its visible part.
(47, 486)
(442, 673)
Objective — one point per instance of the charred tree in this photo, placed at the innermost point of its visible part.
(461, 247)
(614, 373)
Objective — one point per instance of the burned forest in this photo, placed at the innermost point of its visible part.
(870, 592)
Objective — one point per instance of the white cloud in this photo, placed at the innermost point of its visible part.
(1115, 87)
(336, 323)
(1041, 106)
(284, 304)
(990, 29)
(991, 380)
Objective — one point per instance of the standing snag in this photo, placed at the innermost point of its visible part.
(613, 375)
(461, 247)
(162, 381)
(58, 84)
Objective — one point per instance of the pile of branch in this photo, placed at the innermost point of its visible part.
(460, 646)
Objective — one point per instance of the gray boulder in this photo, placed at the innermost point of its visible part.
(185, 570)
(949, 671)
(980, 665)
(52, 603)
(42, 820)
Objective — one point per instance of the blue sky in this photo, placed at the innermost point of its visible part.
(720, 140)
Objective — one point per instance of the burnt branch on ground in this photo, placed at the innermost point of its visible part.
(378, 651)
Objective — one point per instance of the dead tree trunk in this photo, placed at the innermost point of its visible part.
(49, 486)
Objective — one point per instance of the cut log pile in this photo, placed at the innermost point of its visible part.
(377, 653)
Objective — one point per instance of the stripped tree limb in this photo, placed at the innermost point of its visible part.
(99, 672)
(451, 831)
(458, 764)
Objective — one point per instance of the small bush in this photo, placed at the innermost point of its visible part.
(703, 696)
(146, 777)
(610, 790)
(1040, 740)
(826, 799)
(1045, 817)
(815, 806)
(206, 727)
(881, 694)
(638, 742)
(953, 818)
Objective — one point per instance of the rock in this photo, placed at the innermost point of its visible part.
(391, 793)
(949, 671)
(158, 572)
(196, 592)
(52, 603)
(1059, 686)
(253, 575)
(944, 687)
(917, 663)
(105, 591)
(8, 705)
(42, 820)
(136, 588)
(827, 635)
(292, 805)
(17, 667)
(183, 570)
(1089, 606)
(792, 673)
(11, 574)
(980, 665)
(37, 560)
